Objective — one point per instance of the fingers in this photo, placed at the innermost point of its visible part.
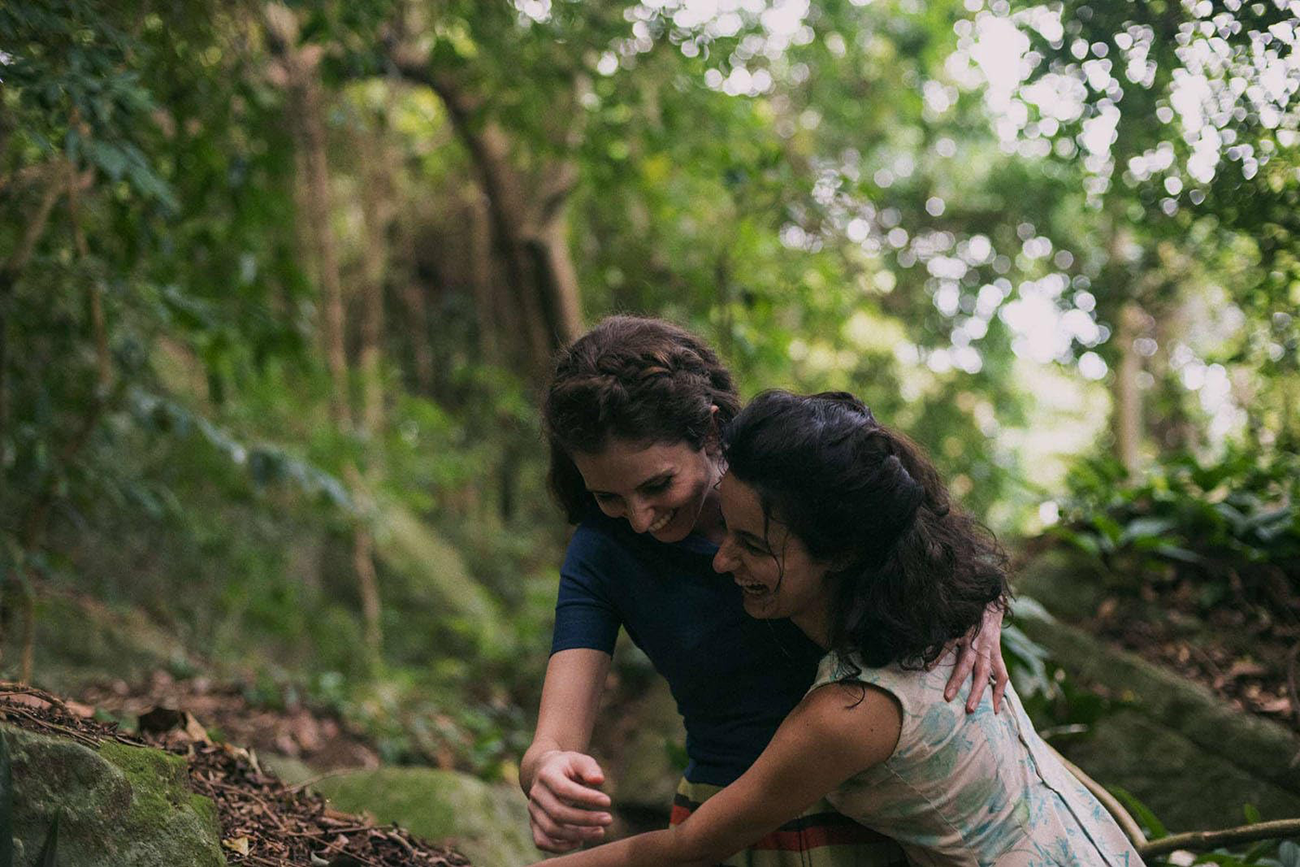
(587, 769)
(572, 792)
(564, 814)
(980, 680)
(1000, 680)
(960, 671)
(552, 836)
(550, 844)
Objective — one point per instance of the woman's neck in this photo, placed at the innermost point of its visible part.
(816, 623)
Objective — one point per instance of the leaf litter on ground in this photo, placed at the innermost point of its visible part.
(264, 821)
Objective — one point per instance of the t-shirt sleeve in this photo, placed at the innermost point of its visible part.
(585, 615)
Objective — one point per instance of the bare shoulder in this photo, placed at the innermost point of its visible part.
(858, 723)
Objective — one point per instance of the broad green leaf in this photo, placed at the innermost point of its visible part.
(1221, 858)
(1111, 531)
(1155, 828)
(1252, 814)
(1173, 552)
(1140, 528)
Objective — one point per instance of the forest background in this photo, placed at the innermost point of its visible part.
(279, 285)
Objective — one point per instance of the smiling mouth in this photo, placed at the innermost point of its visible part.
(661, 523)
(751, 589)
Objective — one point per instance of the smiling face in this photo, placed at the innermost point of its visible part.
(778, 576)
(664, 490)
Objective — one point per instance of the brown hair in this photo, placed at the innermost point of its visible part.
(630, 378)
(914, 571)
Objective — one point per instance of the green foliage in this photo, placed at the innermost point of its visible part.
(1060, 707)
(856, 216)
(1151, 826)
(1228, 526)
(1268, 852)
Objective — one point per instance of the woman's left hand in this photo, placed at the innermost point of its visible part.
(980, 651)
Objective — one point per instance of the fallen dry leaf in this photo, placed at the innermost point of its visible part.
(236, 844)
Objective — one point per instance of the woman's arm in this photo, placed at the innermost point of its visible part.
(559, 778)
(833, 734)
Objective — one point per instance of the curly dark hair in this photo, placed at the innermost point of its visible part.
(636, 379)
(912, 572)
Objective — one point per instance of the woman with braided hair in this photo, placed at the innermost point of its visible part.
(632, 416)
(842, 526)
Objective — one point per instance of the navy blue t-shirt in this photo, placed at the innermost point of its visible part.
(734, 677)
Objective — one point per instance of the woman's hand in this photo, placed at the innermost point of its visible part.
(981, 652)
(564, 809)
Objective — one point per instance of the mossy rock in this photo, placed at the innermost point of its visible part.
(644, 771)
(1186, 786)
(1182, 750)
(487, 823)
(121, 805)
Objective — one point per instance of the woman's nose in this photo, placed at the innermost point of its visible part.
(723, 561)
(640, 516)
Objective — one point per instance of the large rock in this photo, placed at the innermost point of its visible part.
(122, 805)
(1179, 748)
(643, 767)
(486, 822)
(1186, 786)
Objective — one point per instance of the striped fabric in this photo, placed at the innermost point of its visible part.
(820, 837)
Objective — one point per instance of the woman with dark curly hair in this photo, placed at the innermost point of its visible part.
(843, 526)
(632, 415)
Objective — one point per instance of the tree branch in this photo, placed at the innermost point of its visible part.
(1203, 840)
(98, 323)
(1121, 816)
(35, 229)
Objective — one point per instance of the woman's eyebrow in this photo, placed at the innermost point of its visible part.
(664, 476)
(656, 479)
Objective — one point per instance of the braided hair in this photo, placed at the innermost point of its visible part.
(635, 379)
(911, 571)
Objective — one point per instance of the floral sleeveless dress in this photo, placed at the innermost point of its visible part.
(976, 790)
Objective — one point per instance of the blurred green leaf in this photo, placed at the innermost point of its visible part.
(1154, 828)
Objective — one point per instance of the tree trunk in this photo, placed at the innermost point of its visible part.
(377, 206)
(417, 331)
(10, 272)
(558, 280)
(527, 218)
(98, 323)
(1127, 418)
(487, 309)
(296, 70)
